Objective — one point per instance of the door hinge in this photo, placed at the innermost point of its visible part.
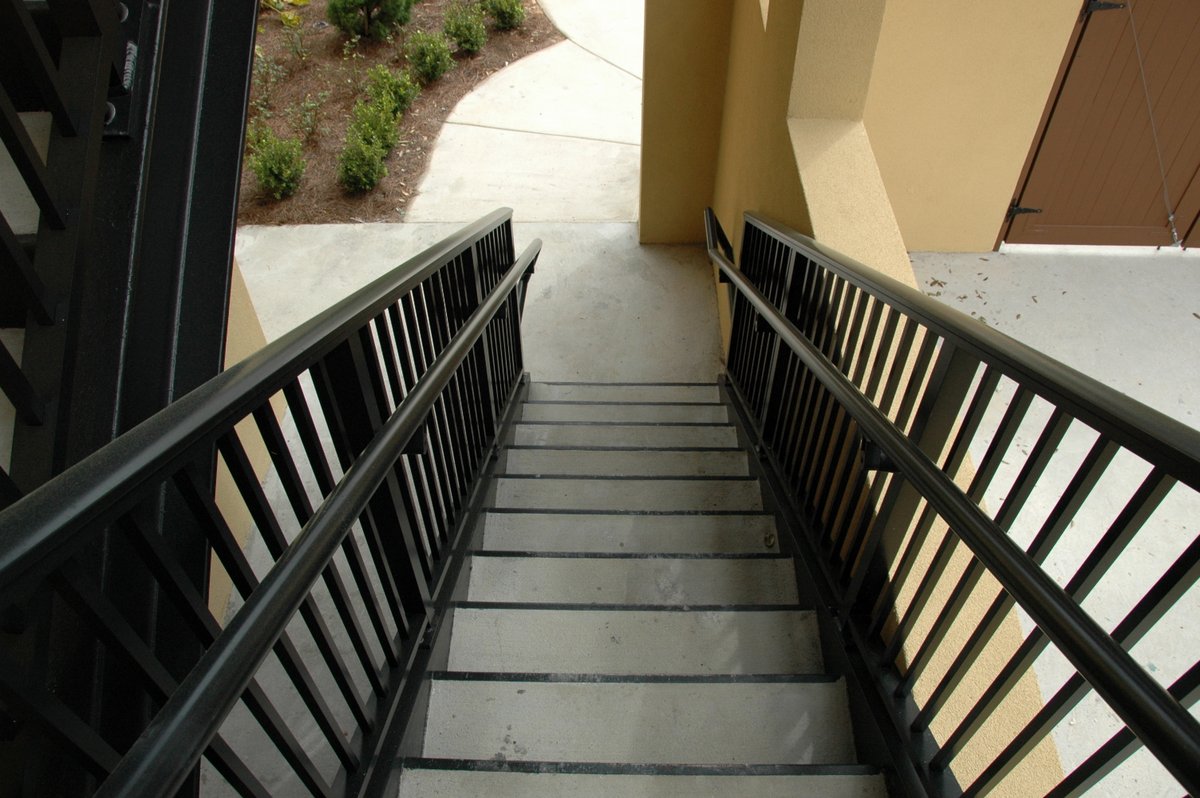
(1100, 5)
(1017, 210)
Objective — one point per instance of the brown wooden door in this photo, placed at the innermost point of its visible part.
(1095, 170)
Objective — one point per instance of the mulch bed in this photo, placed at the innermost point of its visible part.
(320, 199)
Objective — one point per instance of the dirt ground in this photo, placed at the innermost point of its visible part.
(328, 69)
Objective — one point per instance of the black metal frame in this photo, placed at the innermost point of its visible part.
(854, 384)
(402, 388)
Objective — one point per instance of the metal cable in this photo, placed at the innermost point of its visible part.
(1162, 169)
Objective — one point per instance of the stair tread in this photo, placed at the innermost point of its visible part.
(631, 495)
(625, 392)
(790, 722)
(614, 642)
(655, 581)
(625, 463)
(625, 412)
(431, 783)
(596, 532)
(627, 436)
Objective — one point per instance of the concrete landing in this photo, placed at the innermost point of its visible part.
(600, 307)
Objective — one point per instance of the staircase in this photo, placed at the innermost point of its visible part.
(630, 626)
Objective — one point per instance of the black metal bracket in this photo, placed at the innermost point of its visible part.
(127, 95)
(1100, 5)
(1017, 210)
(876, 459)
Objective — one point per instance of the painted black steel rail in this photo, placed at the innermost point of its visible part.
(826, 351)
(379, 416)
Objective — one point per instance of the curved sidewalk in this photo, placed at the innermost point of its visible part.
(556, 135)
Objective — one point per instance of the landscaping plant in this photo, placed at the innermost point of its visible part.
(428, 56)
(360, 165)
(464, 26)
(394, 90)
(277, 163)
(372, 19)
(507, 14)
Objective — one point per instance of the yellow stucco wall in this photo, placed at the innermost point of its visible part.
(683, 92)
(244, 336)
(954, 103)
(817, 132)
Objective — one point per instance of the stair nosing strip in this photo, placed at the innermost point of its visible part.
(636, 403)
(631, 555)
(566, 448)
(637, 768)
(630, 384)
(575, 511)
(526, 677)
(630, 478)
(468, 604)
(670, 424)
(680, 513)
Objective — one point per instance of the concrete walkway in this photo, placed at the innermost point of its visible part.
(554, 136)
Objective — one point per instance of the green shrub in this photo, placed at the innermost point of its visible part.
(360, 164)
(375, 123)
(428, 56)
(374, 19)
(306, 116)
(393, 90)
(507, 14)
(277, 163)
(464, 25)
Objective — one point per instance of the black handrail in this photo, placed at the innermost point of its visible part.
(163, 756)
(1167, 729)
(1143, 430)
(406, 386)
(40, 532)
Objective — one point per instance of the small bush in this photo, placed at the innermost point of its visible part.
(464, 25)
(306, 116)
(277, 163)
(376, 124)
(507, 14)
(360, 165)
(373, 19)
(394, 90)
(428, 56)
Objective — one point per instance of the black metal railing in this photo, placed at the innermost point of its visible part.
(373, 422)
(1008, 546)
(60, 63)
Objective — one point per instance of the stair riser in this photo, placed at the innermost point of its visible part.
(629, 495)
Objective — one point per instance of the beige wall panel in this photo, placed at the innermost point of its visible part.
(244, 337)
(686, 54)
(954, 102)
(756, 169)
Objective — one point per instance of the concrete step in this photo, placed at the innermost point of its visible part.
(634, 643)
(422, 783)
(623, 392)
(632, 534)
(652, 581)
(616, 463)
(616, 413)
(790, 722)
(628, 495)
(628, 436)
